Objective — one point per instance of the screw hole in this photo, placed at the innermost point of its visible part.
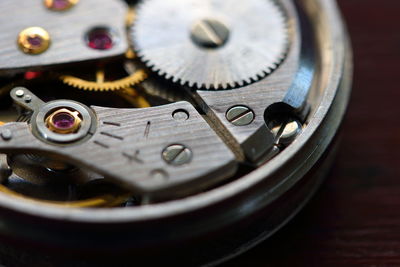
(283, 123)
(180, 115)
(278, 113)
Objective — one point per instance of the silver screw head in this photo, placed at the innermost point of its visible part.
(177, 155)
(20, 93)
(28, 99)
(209, 33)
(286, 132)
(6, 135)
(240, 115)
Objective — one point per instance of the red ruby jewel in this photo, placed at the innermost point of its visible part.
(100, 40)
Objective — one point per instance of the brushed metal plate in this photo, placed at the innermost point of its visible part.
(128, 146)
(67, 30)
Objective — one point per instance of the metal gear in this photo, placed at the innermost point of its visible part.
(211, 44)
(101, 85)
(154, 87)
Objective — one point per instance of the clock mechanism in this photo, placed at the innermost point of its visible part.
(145, 127)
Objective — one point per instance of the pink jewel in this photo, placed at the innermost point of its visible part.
(100, 39)
(63, 121)
(60, 4)
(35, 41)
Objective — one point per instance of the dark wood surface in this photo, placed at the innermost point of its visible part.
(354, 220)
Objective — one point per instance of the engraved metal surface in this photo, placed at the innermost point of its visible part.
(128, 146)
(67, 31)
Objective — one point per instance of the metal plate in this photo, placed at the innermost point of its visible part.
(67, 31)
(253, 141)
(129, 144)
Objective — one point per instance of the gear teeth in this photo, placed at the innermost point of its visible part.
(136, 78)
(168, 76)
(239, 76)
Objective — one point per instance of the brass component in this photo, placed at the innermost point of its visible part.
(75, 123)
(60, 5)
(130, 17)
(129, 20)
(130, 54)
(134, 98)
(101, 85)
(34, 40)
(100, 76)
(100, 201)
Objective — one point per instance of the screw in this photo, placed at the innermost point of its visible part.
(240, 115)
(6, 135)
(177, 155)
(28, 99)
(34, 40)
(287, 131)
(20, 93)
(180, 115)
(210, 33)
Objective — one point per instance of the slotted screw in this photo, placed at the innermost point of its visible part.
(240, 115)
(210, 33)
(177, 155)
(287, 131)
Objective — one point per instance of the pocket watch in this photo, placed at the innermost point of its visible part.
(178, 132)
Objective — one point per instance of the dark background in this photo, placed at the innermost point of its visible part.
(354, 220)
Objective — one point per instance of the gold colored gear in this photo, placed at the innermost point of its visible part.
(106, 86)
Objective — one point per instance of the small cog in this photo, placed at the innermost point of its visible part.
(101, 85)
(211, 44)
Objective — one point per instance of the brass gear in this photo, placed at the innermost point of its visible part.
(100, 85)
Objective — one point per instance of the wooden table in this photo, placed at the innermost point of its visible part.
(354, 220)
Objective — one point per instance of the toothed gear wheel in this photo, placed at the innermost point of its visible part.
(100, 85)
(211, 44)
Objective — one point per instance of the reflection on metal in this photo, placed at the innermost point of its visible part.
(297, 94)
